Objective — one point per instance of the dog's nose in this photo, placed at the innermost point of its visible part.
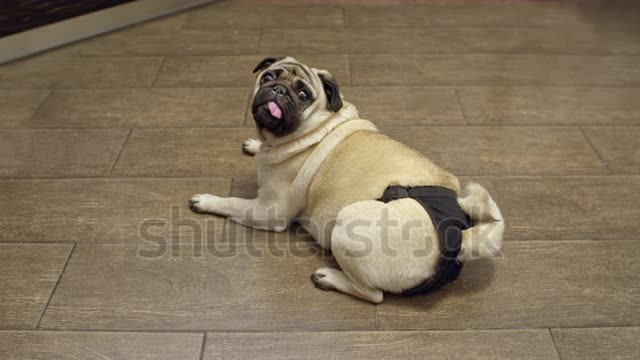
(279, 90)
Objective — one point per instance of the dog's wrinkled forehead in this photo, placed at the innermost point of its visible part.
(289, 69)
(293, 71)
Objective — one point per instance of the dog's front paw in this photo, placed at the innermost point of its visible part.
(251, 146)
(205, 203)
(323, 278)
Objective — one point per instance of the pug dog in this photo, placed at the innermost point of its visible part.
(394, 221)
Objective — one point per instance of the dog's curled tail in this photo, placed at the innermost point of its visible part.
(485, 237)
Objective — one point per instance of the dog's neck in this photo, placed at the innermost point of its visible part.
(280, 149)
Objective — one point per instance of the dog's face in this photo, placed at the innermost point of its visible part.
(288, 92)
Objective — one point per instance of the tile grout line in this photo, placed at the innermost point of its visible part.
(528, 86)
(555, 345)
(388, 127)
(126, 140)
(247, 107)
(464, 113)
(260, 34)
(39, 107)
(293, 330)
(52, 243)
(376, 317)
(424, 26)
(344, 18)
(225, 220)
(120, 330)
(204, 341)
(434, 53)
(549, 176)
(595, 150)
(239, 127)
(366, 86)
(212, 127)
(126, 178)
(349, 75)
(155, 78)
(579, 240)
(231, 183)
(55, 287)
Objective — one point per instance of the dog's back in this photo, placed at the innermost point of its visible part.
(360, 168)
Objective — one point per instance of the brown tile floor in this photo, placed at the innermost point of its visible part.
(102, 142)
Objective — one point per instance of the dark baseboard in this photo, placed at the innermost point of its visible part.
(22, 15)
(80, 27)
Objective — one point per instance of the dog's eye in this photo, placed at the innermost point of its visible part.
(303, 95)
(266, 78)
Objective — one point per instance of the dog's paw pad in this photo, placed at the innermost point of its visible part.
(321, 278)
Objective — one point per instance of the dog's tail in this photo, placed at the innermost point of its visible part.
(485, 237)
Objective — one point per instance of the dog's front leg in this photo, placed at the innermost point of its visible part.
(255, 213)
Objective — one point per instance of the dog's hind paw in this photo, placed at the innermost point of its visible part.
(322, 279)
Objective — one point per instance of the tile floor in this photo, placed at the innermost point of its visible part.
(102, 143)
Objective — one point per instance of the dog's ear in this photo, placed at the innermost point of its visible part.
(266, 62)
(332, 90)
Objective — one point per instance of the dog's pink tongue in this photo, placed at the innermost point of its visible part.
(275, 110)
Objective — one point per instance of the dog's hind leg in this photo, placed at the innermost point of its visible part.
(334, 279)
(380, 248)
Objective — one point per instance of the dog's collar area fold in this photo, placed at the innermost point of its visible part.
(449, 220)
